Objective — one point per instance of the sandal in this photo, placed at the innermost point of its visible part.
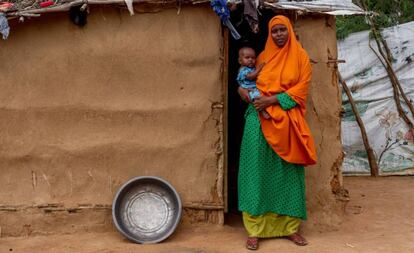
(297, 239)
(252, 243)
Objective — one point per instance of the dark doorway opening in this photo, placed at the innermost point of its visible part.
(236, 107)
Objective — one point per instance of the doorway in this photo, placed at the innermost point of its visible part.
(236, 107)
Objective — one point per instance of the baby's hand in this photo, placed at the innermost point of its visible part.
(244, 94)
(260, 66)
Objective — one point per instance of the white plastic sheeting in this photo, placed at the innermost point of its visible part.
(332, 7)
(372, 91)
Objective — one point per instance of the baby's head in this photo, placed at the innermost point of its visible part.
(247, 57)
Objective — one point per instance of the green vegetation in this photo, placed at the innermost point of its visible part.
(390, 12)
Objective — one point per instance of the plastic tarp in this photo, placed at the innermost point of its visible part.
(331, 7)
(372, 91)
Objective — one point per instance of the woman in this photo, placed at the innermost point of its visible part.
(274, 151)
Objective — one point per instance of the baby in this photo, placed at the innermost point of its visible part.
(248, 73)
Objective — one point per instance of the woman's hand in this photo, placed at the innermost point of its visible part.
(263, 102)
(244, 94)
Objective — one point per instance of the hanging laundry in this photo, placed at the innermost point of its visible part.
(45, 4)
(130, 6)
(221, 9)
(4, 26)
(250, 14)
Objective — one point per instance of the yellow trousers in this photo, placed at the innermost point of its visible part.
(270, 225)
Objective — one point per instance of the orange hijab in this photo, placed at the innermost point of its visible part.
(287, 70)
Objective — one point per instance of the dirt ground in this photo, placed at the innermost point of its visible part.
(379, 218)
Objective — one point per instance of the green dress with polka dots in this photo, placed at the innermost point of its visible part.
(267, 183)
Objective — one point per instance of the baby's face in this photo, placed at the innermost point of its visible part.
(247, 58)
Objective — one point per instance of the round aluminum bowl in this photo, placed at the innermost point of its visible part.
(146, 209)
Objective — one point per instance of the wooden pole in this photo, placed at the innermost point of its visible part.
(391, 73)
(370, 152)
(225, 90)
(386, 62)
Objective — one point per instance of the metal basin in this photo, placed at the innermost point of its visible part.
(146, 209)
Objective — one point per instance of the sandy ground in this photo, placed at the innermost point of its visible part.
(380, 218)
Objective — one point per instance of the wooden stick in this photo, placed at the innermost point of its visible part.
(30, 15)
(225, 112)
(394, 80)
(55, 207)
(370, 152)
(203, 206)
(57, 8)
(397, 88)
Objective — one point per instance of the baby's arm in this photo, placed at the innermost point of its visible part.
(253, 75)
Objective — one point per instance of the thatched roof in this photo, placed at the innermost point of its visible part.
(331, 7)
(36, 7)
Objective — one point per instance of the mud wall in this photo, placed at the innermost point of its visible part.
(325, 194)
(82, 110)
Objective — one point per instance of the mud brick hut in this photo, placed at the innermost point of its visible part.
(85, 109)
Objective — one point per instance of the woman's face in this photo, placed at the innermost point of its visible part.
(280, 34)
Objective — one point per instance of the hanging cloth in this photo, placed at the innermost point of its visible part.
(250, 14)
(130, 5)
(221, 9)
(4, 26)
